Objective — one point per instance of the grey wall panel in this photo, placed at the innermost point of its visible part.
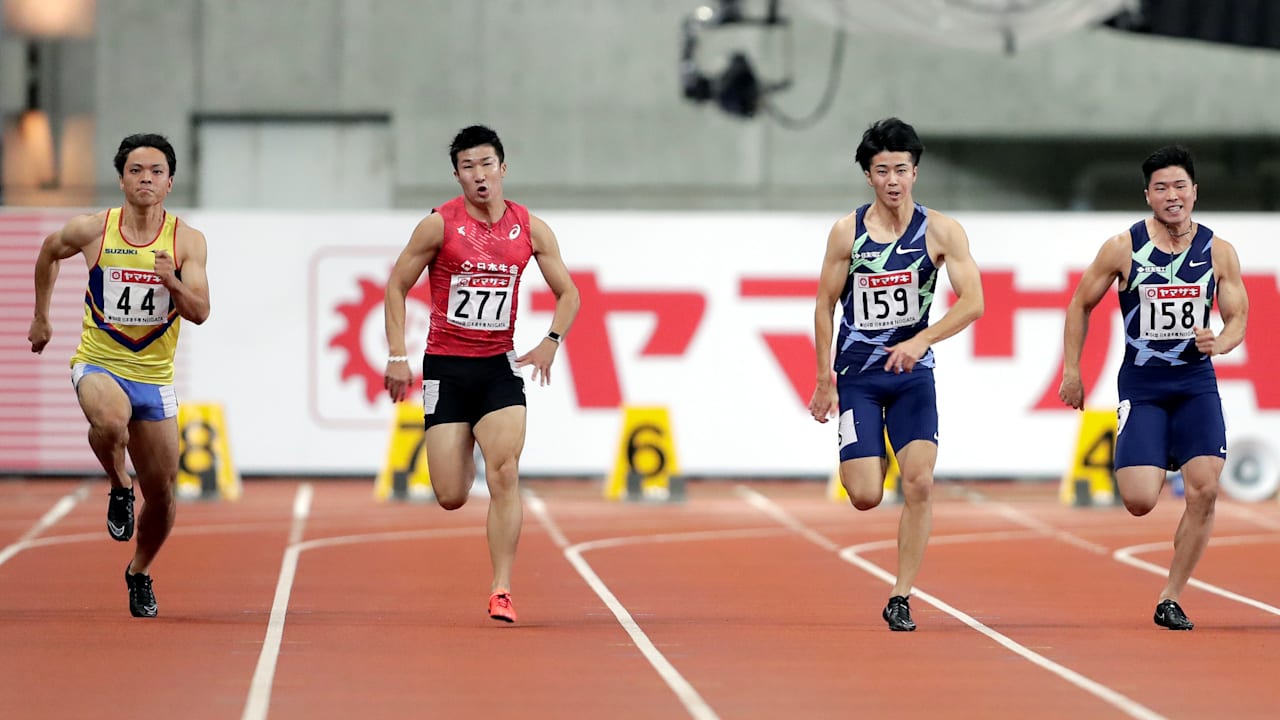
(587, 98)
(282, 55)
(145, 82)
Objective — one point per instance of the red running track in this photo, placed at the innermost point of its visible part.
(750, 600)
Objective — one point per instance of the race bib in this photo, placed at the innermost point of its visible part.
(1170, 312)
(885, 300)
(480, 301)
(133, 297)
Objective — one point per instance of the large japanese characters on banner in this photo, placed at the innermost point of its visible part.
(709, 315)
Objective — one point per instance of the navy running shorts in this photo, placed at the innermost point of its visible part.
(1167, 433)
(906, 404)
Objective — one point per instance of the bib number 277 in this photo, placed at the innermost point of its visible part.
(480, 302)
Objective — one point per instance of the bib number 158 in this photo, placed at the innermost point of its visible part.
(1171, 312)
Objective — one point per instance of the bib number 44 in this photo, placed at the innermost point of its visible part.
(134, 297)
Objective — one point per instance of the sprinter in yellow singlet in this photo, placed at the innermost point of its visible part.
(146, 274)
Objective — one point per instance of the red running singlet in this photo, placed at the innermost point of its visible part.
(475, 281)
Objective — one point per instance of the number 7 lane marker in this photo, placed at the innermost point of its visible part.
(852, 555)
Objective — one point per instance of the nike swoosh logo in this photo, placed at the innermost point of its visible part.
(907, 251)
(1195, 264)
(1223, 449)
(119, 529)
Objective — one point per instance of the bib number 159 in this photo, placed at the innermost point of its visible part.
(885, 300)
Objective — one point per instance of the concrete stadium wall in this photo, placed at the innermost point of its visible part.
(587, 98)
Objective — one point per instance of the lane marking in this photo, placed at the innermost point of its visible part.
(221, 529)
(1027, 520)
(1252, 516)
(1126, 556)
(259, 699)
(255, 707)
(850, 554)
(51, 517)
(684, 691)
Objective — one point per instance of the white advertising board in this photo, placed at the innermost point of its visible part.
(708, 314)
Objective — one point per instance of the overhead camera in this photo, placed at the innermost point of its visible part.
(737, 90)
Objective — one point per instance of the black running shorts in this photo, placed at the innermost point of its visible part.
(464, 389)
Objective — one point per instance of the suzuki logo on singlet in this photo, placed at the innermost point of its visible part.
(119, 251)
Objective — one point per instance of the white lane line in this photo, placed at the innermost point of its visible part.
(1027, 520)
(219, 529)
(1126, 556)
(688, 696)
(850, 554)
(259, 699)
(255, 707)
(784, 518)
(1252, 516)
(54, 514)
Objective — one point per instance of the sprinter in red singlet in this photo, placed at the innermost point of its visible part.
(474, 249)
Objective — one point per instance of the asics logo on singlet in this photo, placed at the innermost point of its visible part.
(119, 251)
(515, 233)
(462, 231)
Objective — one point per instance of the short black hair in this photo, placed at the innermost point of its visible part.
(1169, 156)
(474, 136)
(892, 135)
(141, 140)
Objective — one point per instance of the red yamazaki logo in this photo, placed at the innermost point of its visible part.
(1174, 292)
(363, 341)
(902, 278)
(134, 276)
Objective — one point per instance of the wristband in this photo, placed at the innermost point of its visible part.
(397, 358)
(555, 337)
